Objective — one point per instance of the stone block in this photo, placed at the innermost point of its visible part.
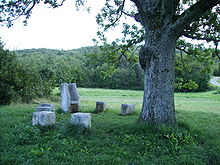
(127, 109)
(82, 119)
(100, 106)
(43, 118)
(45, 107)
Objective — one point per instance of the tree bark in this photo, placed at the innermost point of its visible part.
(162, 28)
(157, 59)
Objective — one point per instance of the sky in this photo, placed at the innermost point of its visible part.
(61, 28)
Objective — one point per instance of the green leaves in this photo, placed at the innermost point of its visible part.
(193, 70)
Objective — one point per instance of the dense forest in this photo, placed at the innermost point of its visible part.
(26, 74)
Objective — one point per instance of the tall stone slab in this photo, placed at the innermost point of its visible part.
(65, 97)
(74, 96)
(70, 99)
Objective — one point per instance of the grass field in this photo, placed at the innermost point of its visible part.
(114, 139)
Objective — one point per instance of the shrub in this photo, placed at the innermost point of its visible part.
(8, 67)
(21, 79)
(193, 71)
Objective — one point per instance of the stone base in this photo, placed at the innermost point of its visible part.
(74, 107)
(43, 118)
(127, 109)
(82, 119)
(100, 106)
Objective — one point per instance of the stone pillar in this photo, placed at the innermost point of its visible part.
(82, 119)
(43, 118)
(65, 97)
(127, 109)
(74, 98)
(100, 106)
(69, 98)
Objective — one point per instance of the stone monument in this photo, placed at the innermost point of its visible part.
(70, 99)
(82, 119)
(43, 118)
(127, 109)
(100, 106)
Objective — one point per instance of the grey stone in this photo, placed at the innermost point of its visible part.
(127, 109)
(45, 107)
(70, 99)
(74, 96)
(43, 118)
(65, 97)
(100, 106)
(82, 119)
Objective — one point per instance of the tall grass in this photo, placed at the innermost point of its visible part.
(114, 139)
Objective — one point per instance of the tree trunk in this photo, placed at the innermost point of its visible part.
(157, 60)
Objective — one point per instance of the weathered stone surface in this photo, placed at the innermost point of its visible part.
(65, 97)
(43, 118)
(69, 95)
(74, 95)
(100, 106)
(45, 107)
(82, 119)
(127, 109)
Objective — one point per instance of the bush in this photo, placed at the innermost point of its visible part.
(8, 66)
(193, 71)
(22, 79)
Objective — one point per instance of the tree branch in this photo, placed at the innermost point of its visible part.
(169, 8)
(216, 50)
(182, 50)
(192, 14)
(120, 10)
(208, 39)
(129, 15)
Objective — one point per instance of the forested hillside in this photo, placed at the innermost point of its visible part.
(85, 66)
(90, 67)
(28, 74)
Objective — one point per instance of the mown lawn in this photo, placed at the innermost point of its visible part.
(114, 139)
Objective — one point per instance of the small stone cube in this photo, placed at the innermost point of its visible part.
(83, 119)
(127, 109)
(100, 106)
(43, 118)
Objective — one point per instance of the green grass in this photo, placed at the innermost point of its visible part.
(218, 80)
(114, 139)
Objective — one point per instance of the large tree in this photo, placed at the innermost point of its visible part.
(164, 22)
